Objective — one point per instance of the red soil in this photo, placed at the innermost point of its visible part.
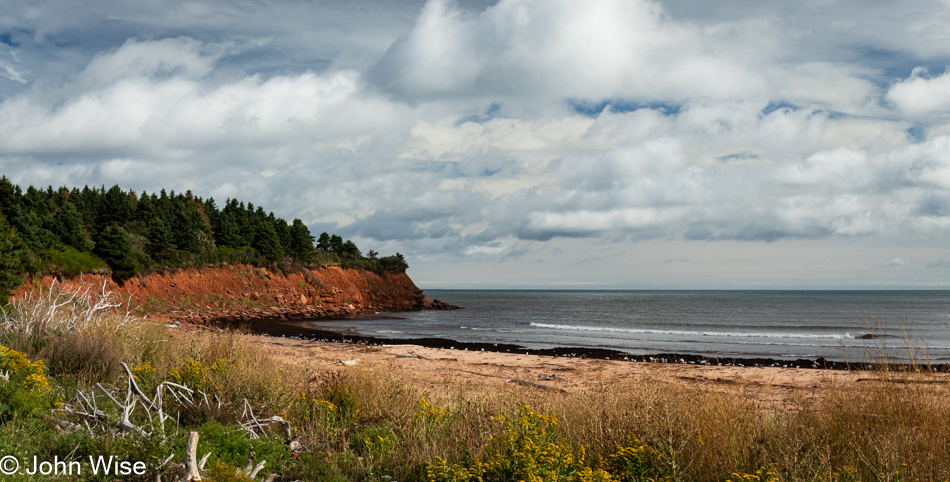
(242, 292)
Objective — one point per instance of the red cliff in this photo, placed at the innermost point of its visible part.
(242, 292)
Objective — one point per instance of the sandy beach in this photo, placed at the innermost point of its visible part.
(772, 388)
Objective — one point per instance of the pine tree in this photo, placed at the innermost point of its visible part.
(9, 261)
(113, 247)
(115, 207)
(227, 232)
(27, 226)
(336, 244)
(66, 224)
(159, 239)
(301, 241)
(350, 250)
(9, 196)
(267, 243)
(324, 241)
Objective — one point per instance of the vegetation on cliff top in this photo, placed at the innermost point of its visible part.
(70, 231)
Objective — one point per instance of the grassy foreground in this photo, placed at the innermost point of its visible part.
(368, 423)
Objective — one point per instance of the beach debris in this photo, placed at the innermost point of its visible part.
(527, 383)
(546, 377)
(475, 373)
(404, 355)
(193, 467)
(350, 363)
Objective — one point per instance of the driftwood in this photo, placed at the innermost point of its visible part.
(191, 459)
(421, 357)
(475, 373)
(92, 418)
(527, 383)
(135, 387)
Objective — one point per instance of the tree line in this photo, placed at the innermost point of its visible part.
(69, 231)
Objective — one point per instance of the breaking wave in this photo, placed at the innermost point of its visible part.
(690, 332)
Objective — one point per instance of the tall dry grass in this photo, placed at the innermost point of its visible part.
(875, 426)
(80, 332)
(84, 333)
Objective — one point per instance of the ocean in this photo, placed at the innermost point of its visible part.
(852, 326)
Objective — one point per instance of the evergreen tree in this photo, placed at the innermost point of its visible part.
(159, 239)
(112, 246)
(349, 250)
(324, 241)
(9, 261)
(66, 224)
(396, 264)
(227, 232)
(267, 243)
(301, 241)
(115, 207)
(191, 227)
(9, 196)
(28, 228)
(120, 228)
(145, 209)
(336, 244)
(35, 201)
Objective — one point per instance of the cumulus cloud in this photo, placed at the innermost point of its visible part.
(921, 95)
(147, 99)
(842, 168)
(485, 132)
(597, 49)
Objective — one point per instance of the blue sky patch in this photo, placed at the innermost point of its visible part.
(490, 113)
(594, 109)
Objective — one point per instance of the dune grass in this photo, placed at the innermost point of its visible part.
(889, 427)
(372, 423)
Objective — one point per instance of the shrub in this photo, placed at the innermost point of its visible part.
(88, 358)
(24, 386)
(232, 445)
(531, 450)
(638, 462)
(70, 262)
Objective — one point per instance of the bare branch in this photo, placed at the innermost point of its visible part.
(135, 387)
(257, 468)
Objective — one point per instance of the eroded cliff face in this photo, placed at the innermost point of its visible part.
(241, 292)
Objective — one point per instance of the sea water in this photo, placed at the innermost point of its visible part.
(837, 325)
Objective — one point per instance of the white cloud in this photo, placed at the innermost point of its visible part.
(896, 262)
(597, 49)
(171, 57)
(919, 95)
(926, 164)
(840, 168)
(128, 103)
(488, 133)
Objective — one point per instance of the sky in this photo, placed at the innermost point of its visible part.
(602, 144)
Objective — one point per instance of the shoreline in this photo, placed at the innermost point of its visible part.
(283, 328)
